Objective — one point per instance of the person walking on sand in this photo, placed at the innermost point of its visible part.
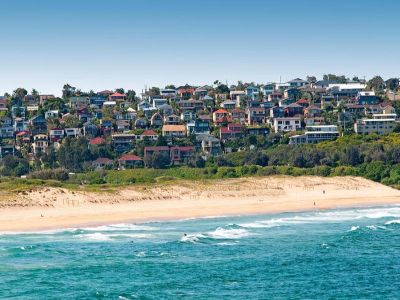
(323, 191)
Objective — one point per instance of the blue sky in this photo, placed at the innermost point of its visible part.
(98, 44)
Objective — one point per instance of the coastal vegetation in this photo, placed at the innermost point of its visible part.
(373, 157)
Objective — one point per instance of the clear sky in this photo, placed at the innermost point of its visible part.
(99, 44)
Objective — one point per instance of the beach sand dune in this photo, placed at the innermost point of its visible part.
(49, 208)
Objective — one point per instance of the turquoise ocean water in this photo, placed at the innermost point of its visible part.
(338, 254)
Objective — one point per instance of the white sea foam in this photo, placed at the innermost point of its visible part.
(120, 227)
(98, 236)
(397, 221)
(229, 233)
(354, 228)
(327, 216)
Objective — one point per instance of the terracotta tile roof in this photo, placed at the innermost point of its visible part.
(97, 141)
(149, 132)
(130, 157)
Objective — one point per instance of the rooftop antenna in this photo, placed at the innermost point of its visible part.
(280, 79)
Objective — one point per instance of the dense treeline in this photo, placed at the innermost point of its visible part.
(371, 156)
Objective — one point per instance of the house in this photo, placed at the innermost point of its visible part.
(149, 112)
(168, 93)
(257, 130)
(166, 110)
(232, 131)
(188, 116)
(180, 154)
(210, 145)
(158, 101)
(346, 89)
(123, 142)
(275, 97)
(202, 91)
(89, 129)
(171, 119)
(20, 125)
(72, 132)
(149, 135)
(354, 109)
(315, 134)
(220, 116)
(51, 114)
(327, 101)
(185, 92)
(277, 112)
(293, 109)
(303, 102)
(228, 104)
(268, 89)
(142, 105)
(101, 163)
(311, 121)
(375, 125)
(292, 93)
(312, 111)
(97, 100)
(297, 82)
(238, 115)
(198, 126)
(149, 151)
(286, 124)
(18, 111)
(174, 131)
(40, 144)
(117, 97)
(366, 98)
(255, 115)
(156, 120)
(56, 134)
(141, 123)
(252, 92)
(109, 104)
(38, 124)
(130, 161)
(122, 125)
(191, 104)
(7, 132)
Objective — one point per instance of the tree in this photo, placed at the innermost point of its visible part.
(120, 91)
(392, 84)
(335, 78)
(222, 89)
(154, 91)
(377, 84)
(158, 160)
(130, 95)
(14, 166)
(170, 87)
(68, 91)
(73, 153)
(72, 121)
(311, 79)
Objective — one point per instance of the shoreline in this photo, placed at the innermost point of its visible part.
(54, 208)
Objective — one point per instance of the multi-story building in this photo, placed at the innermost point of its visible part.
(315, 134)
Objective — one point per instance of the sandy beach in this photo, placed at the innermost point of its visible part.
(52, 208)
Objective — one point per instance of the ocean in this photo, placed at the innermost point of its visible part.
(336, 254)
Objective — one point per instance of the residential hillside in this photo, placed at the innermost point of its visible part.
(270, 124)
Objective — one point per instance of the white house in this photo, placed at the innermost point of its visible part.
(287, 124)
